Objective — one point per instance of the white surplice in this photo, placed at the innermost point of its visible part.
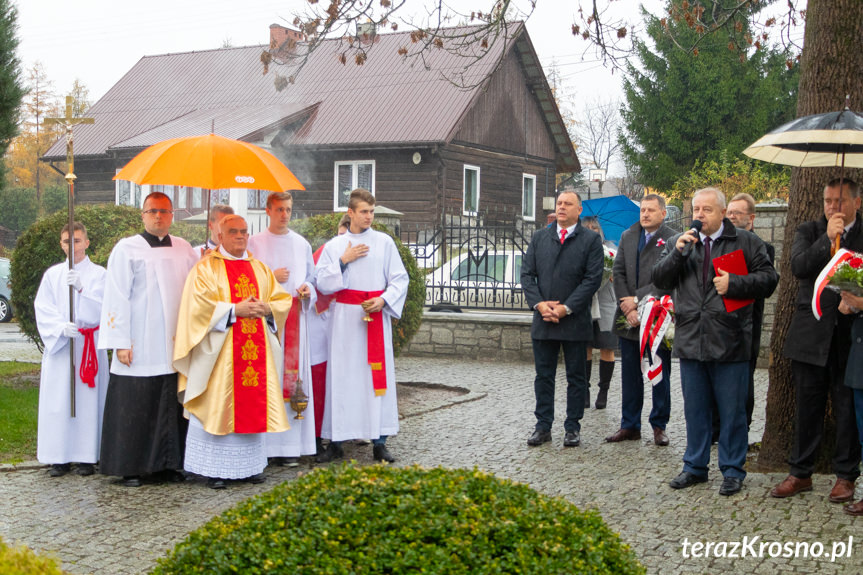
(62, 438)
(293, 252)
(142, 298)
(352, 410)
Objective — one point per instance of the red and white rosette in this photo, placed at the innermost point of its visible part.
(655, 316)
(842, 256)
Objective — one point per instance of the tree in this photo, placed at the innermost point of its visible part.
(11, 88)
(80, 98)
(759, 180)
(598, 134)
(682, 107)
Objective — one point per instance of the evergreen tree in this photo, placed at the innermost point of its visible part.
(11, 87)
(681, 107)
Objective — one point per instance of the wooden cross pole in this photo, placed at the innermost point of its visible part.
(68, 121)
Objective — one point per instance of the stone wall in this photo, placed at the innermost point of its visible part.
(506, 336)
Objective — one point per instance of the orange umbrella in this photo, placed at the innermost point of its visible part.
(211, 162)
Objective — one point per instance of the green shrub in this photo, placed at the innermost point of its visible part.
(38, 248)
(319, 229)
(22, 561)
(381, 519)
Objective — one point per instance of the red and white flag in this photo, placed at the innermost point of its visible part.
(656, 317)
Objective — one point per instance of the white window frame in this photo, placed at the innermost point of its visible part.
(532, 216)
(354, 180)
(145, 191)
(465, 211)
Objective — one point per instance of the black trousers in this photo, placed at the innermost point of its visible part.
(545, 354)
(812, 384)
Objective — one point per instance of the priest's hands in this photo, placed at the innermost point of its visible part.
(374, 305)
(124, 356)
(282, 275)
(70, 330)
(304, 291)
(252, 307)
(353, 253)
(73, 278)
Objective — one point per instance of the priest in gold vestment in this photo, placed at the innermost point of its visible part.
(228, 356)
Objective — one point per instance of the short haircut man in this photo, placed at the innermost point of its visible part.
(818, 349)
(63, 439)
(561, 312)
(364, 268)
(713, 344)
(144, 430)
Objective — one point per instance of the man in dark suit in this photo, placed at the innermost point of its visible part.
(741, 213)
(640, 247)
(818, 349)
(712, 343)
(561, 271)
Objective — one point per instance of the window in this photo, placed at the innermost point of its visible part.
(197, 198)
(180, 197)
(257, 199)
(528, 196)
(485, 268)
(129, 193)
(471, 190)
(349, 176)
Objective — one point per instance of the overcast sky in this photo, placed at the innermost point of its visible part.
(98, 41)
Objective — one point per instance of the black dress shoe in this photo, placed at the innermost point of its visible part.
(539, 437)
(731, 485)
(571, 439)
(381, 453)
(131, 481)
(59, 470)
(172, 476)
(686, 479)
(85, 469)
(334, 451)
(277, 461)
(216, 483)
(256, 478)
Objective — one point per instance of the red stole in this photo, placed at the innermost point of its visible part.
(292, 349)
(375, 336)
(89, 361)
(249, 354)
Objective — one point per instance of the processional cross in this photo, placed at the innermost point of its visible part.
(69, 120)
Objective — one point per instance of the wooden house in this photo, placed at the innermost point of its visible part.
(424, 146)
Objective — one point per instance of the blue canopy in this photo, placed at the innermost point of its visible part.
(615, 214)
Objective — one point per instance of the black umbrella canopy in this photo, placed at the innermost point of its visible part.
(834, 139)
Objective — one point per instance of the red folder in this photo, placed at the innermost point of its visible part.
(733, 263)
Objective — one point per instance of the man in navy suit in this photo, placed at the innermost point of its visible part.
(561, 271)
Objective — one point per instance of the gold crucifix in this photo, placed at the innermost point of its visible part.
(69, 121)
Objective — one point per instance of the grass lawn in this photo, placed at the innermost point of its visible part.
(19, 398)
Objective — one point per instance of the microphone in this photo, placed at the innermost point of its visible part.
(687, 249)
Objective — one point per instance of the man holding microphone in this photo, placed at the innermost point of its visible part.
(713, 344)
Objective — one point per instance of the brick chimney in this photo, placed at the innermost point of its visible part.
(281, 38)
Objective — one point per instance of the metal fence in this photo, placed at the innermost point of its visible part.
(473, 265)
(470, 264)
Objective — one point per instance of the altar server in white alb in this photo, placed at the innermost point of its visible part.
(63, 439)
(289, 255)
(144, 431)
(363, 268)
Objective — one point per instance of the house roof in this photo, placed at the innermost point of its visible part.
(390, 100)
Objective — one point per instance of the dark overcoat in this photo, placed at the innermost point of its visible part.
(569, 273)
(809, 339)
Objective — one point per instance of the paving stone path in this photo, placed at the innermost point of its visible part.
(96, 526)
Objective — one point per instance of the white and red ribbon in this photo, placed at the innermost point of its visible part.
(842, 256)
(655, 317)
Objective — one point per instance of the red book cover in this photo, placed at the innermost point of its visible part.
(733, 263)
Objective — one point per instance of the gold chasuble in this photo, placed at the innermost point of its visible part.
(231, 380)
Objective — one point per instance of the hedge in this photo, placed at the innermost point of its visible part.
(38, 248)
(23, 561)
(381, 519)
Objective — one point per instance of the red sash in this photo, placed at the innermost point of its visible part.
(375, 337)
(250, 354)
(292, 349)
(89, 361)
(322, 304)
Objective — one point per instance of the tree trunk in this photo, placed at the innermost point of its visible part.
(830, 68)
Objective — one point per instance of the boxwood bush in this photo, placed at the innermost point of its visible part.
(23, 561)
(38, 248)
(381, 519)
(319, 229)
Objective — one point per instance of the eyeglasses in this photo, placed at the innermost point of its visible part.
(153, 212)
